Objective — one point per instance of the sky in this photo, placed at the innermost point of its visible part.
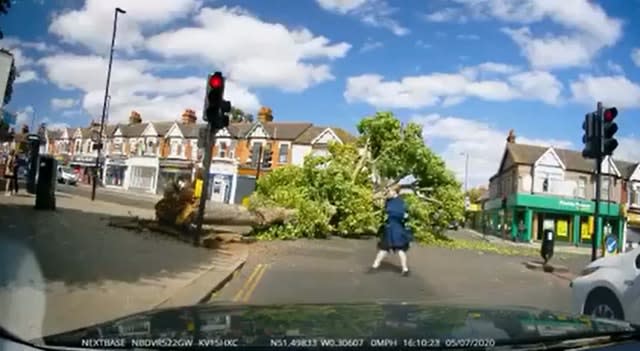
(467, 70)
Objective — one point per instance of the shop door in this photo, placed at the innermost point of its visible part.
(219, 189)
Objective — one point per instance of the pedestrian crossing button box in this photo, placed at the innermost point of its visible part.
(548, 242)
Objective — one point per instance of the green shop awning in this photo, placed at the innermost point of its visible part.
(555, 203)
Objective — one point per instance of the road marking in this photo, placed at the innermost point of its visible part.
(252, 288)
(240, 292)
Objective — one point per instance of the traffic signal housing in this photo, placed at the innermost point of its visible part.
(609, 129)
(267, 159)
(590, 136)
(216, 108)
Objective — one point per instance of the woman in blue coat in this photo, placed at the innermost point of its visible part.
(396, 237)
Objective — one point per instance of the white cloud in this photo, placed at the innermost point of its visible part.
(485, 81)
(133, 88)
(611, 90)
(376, 13)
(614, 67)
(447, 14)
(628, 149)
(586, 28)
(24, 116)
(370, 45)
(57, 126)
(422, 44)
(250, 51)
(91, 25)
(483, 143)
(635, 56)
(58, 104)
(341, 6)
(26, 76)
(468, 37)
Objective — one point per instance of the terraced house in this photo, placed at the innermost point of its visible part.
(538, 188)
(145, 156)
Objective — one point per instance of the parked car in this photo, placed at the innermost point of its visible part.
(454, 225)
(66, 175)
(609, 287)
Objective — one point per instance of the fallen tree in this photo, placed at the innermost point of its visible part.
(343, 193)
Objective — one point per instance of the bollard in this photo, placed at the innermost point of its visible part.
(548, 242)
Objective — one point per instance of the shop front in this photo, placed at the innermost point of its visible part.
(224, 178)
(142, 174)
(525, 217)
(115, 171)
(84, 167)
(173, 170)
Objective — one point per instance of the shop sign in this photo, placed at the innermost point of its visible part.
(564, 204)
(576, 205)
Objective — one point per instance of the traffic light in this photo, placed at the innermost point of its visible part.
(590, 136)
(267, 158)
(609, 129)
(216, 107)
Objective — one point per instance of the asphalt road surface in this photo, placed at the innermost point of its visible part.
(336, 270)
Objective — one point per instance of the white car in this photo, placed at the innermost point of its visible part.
(67, 176)
(609, 287)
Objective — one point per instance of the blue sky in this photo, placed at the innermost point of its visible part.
(469, 70)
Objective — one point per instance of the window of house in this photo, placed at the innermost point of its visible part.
(283, 153)
(78, 146)
(176, 148)
(518, 184)
(545, 185)
(634, 196)
(194, 149)
(222, 149)
(117, 146)
(604, 187)
(255, 154)
(151, 147)
(582, 187)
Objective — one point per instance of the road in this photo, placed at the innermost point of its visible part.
(336, 270)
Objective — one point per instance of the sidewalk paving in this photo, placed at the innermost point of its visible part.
(69, 269)
(559, 248)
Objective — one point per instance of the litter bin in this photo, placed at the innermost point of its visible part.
(46, 187)
(548, 242)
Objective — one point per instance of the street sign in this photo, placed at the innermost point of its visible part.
(95, 136)
(611, 243)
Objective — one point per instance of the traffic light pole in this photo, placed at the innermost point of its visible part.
(596, 215)
(206, 165)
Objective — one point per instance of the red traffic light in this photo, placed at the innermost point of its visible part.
(610, 114)
(215, 81)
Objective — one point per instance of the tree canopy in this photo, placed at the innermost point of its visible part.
(237, 115)
(342, 193)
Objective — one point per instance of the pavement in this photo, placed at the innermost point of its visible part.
(336, 270)
(66, 269)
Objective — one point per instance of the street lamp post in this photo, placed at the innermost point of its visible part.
(104, 104)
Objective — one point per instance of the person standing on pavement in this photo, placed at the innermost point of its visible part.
(11, 174)
(396, 237)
